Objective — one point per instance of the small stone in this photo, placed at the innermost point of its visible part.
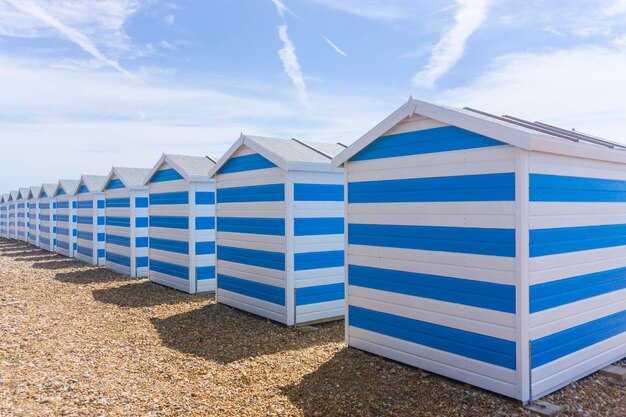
(544, 408)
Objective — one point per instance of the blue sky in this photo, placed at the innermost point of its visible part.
(87, 84)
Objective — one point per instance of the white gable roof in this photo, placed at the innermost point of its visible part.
(288, 154)
(495, 128)
(94, 183)
(35, 190)
(23, 193)
(192, 168)
(50, 189)
(4, 198)
(131, 177)
(69, 186)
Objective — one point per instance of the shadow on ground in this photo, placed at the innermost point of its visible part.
(355, 383)
(87, 275)
(144, 293)
(43, 256)
(60, 263)
(222, 334)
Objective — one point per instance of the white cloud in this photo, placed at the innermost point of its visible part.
(280, 8)
(375, 9)
(169, 19)
(291, 65)
(574, 88)
(616, 7)
(43, 16)
(469, 16)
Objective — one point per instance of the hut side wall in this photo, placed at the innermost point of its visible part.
(34, 222)
(66, 225)
(577, 268)
(251, 245)
(47, 237)
(3, 220)
(318, 241)
(182, 232)
(431, 253)
(90, 234)
(23, 226)
(126, 228)
(12, 220)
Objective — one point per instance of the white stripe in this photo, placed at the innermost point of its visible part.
(414, 124)
(458, 316)
(247, 178)
(253, 305)
(553, 164)
(318, 208)
(321, 276)
(170, 257)
(320, 311)
(168, 280)
(557, 319)
(498, 215)
(252, 273)
(491, 160)
(493, 269)
(558, 373)
(565, 265)
(243, 151)
(485, 375)
(166, 233)
(169, 210)
(317, 243)
(252, 241)
(548, 215)
(269, 209)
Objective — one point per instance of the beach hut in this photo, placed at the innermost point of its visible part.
(90, 245)
(65, 198)
(126, 223)
(13, 197)
(4, 215)
(182, 223)
(486, 249)
(23, 227)
(280, 229)
(47, 217)
(33, 215)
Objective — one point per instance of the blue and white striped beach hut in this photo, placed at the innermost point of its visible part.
(13, 197)
(90, 245)
(33, 215)
(66, 217)
(280, 229)
(126, 223)
(23, 227)
(4, 215)
(48, 217)
(182, 223)
(487, 249)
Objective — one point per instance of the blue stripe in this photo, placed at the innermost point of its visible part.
(205, 198)
(164, 175)
(83, 250)
(441, 139)
(205, 272)
(488, 349)
(319, 294)
(101, 237)
(141, 202)
(84, 235)
(263, 259)
(60, 191)
(253, 193)
(45, 206)
(101, 253)
(170, 222)
(178, 197)
(251, 225)
(115, 184)
(118, 221)
(205, 248)
(100, 220)
(44, 240)
(317, 192)
(269, 293)
(205, 223)
(63, 204)
(168, 245)
(245, 163)
(141, 262)
(178, 271)
(545, 187)
(85, 204)
(141, 222)
(480, 241)
(118, 240)
(316, 260)
(487, 295)
(141, 242)
(43, 195)
(118, 202)
(85, 220)
(484, 187)
(311, 226)
(557, 345)
(118, 259)
(63, 244)
(572, 239)
(568, 290)
(83, 189)
(63, 231)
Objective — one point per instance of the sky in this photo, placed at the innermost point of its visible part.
(87, 84)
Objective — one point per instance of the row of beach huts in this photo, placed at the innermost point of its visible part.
(487, 249)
